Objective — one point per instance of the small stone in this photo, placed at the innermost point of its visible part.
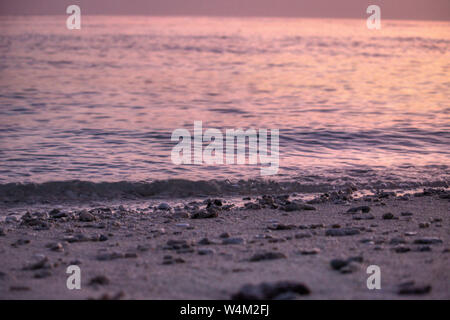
(269, 291)
(164, 206)
(310, 251)
(20, 242)
(424, 225)
(388, 216)
(270, 255)
(205, 241)
(233, 241)
(280, 226)
(85, 216)
(205, 251)
(41, 274)
(224, 235)
(205, 214)
(349, 268)
(406, 214)
(342, 232)
(99, 280)
(2, 232)
(363, 209)
(79, 237)
(396, 241)
(302, 235)
(11, 219)
(297, 206)
(56, 247)
(411, 288)
(182, 225)
(428, 241)
(402, 249)
(337, 264)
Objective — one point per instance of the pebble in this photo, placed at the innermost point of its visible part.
(56, 247)
(205, 251)
(406, 214)
(171, 260)
(2, 232)
(164, 206)
(302, 235)
(99, 280)
(270, 255)
(363, 209)
(388, 216)
(396, 241)
(402, 249)
(428, 241)
(346, 265)
(182, 225)
(310, 251)
(424, 225)
(280, 226)
(224, 235)
(79, 237)
(205, 241)
(85, 216)
(411, 288)
(11, 219)
(342, 232)
(205, 214)
(41, 274)
(270, 291)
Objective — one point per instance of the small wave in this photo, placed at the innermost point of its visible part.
(76, 190)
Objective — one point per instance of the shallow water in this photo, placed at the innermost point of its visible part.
(100, 104)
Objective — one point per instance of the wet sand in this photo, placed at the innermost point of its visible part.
(210, 250)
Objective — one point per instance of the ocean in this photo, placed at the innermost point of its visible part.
(93, 110)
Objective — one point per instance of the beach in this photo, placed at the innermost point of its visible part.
(212, 248)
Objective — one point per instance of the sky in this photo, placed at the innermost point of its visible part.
(390, 9)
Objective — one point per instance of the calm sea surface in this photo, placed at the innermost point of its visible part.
(100, 104)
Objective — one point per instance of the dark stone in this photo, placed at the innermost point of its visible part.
(412, 289)
(99, 280)
(279, 226)
(269, 291)
(388, 216)
(342, 232)
(363, 209)
(270, 255)
(428, 241)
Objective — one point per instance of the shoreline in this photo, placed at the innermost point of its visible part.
(210, 249)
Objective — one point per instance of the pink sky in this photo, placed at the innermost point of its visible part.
(391, 9)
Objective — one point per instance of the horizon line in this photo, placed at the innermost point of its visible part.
(222, 16)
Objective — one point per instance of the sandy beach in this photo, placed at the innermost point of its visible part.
(210, 249)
